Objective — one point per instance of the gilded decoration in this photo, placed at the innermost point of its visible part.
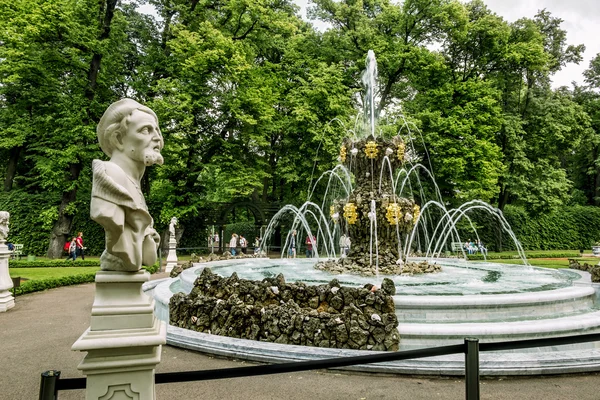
(350, 213)
(371, 149)
(393, 214)
(416, 212)
(343, 153)
(401, 150)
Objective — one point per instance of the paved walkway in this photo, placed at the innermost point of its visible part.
(37, 334)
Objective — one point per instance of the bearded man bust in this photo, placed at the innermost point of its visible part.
(128, 133)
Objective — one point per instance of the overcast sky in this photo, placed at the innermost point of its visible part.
(581, 21)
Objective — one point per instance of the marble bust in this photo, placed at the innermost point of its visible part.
(129, 135)
(172, 226)
(4, 215)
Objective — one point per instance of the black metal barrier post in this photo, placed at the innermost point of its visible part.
(472, 368)
(49, 385)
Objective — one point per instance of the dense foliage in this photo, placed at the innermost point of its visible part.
(574, 227)
(246, 92)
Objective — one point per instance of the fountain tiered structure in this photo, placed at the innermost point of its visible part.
(375, 198)
(374, 218)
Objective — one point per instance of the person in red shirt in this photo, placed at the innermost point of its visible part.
(79, 242)
(309, 245)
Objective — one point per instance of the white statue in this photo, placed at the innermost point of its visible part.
(4, 216)
(128, 133)
(172, 226)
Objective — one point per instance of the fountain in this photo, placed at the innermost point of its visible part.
(396, 232)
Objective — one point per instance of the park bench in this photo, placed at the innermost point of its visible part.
(457, 247)
(17, 251)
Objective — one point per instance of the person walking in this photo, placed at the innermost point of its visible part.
(73, 249)
(256, 245)
(243, 244)
(233, 244)
(292, 248)
(79, 243)
(310, 241)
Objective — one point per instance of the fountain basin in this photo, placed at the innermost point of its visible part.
(461, 302)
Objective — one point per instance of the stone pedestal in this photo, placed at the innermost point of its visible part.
(7, 301)
(172, 256)
(123, 341)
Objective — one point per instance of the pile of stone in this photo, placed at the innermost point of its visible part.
(362, 266)
(594, 270)
(178, 269)
(272, 310)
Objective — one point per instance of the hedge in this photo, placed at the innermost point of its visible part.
(52, 263)
(569, 227)
(492, 256)
(43, 284)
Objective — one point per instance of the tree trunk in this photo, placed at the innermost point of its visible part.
(11, 169)
(62, 227)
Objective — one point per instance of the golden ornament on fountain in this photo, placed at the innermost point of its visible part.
(371, 149)
(416, 212)
(401, 150)
(343, 153)
(350, 213)
(393, 214)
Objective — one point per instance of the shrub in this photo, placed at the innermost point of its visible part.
(43, 284)
(569, 227)
(53, 263)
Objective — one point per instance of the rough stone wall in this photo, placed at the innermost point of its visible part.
(594, 270)
(361, 266)
(275, 311)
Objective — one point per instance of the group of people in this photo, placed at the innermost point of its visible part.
(311, 242)
(241, 242)
(474, 247)
(74, 247)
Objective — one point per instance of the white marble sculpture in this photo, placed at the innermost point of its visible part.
(4, 216)
(172, 255)
(128, 133)
(172, 226)
(124, 339)
(7, 301)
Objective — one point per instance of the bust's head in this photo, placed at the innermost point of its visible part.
(131, 129)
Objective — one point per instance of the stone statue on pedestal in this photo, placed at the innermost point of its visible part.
(172, 226)
(4, 216)
(128, 133)
(124, 339)
(7, 301)
(172, 255)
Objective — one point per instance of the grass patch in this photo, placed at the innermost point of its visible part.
(508, 255)
(561, 263)
(50, 273)
(47, 278)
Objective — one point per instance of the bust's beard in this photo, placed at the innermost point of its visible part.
(152, 157)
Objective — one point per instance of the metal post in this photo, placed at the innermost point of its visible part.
(472, 368)
(159, 259)
(48, 385)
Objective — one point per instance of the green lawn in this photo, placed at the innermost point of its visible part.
(46, 273)
(558, 263)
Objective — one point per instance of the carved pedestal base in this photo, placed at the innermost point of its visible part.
(172, 256)
(7, 301)
(124, 339)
